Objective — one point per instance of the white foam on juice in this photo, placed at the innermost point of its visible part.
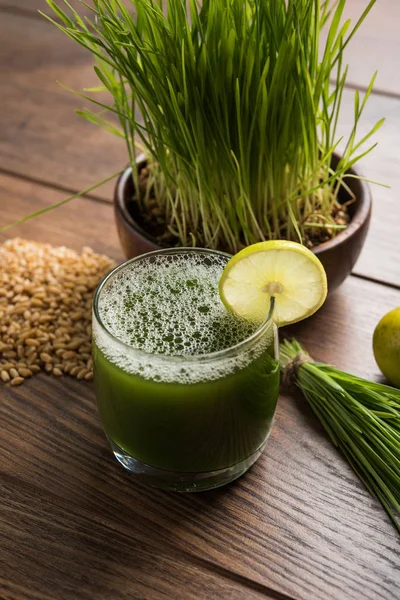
(168, 305)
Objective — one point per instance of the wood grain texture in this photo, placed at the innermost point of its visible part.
(31, 8)
(380, 258)
(58, 549)
(376, 45)
(61, 226)
(73, 523)
(74, 542)
(41, 136)
(299, 523)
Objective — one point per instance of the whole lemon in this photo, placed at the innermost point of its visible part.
(386, 345)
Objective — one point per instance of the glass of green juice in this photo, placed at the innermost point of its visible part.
(186, 390)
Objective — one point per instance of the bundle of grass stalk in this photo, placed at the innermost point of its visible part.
(361, 417)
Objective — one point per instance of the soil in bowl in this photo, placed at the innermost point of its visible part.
(152, 219)
(150, 216)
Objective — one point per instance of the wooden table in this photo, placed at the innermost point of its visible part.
(73, 524)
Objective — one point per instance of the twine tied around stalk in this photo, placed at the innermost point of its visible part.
(291, 368)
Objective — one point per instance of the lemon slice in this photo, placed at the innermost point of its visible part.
(286, 270)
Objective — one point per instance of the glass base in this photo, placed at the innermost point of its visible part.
(184, 482)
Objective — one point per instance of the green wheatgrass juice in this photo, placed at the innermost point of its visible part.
(181, 384)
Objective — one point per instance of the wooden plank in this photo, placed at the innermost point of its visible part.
(299, 522)
(42, 138)
(376, 45)
(380, 258)
(31, 7)
(54, 549)
(19, 198)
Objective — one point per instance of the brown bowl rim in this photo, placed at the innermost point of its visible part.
(119, 199)
(363, 207)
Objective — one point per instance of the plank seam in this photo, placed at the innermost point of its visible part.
(376, 280)
(375, 91)
(95, 198)
(20, 12)
(202, 563)
(233, 576)
(52, 186)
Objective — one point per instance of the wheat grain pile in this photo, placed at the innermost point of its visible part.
(45, 309)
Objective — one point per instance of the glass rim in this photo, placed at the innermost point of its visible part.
(210, 356)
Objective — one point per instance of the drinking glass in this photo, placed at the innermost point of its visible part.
(191, 422)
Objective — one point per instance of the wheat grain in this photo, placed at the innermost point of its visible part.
(45, 317)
